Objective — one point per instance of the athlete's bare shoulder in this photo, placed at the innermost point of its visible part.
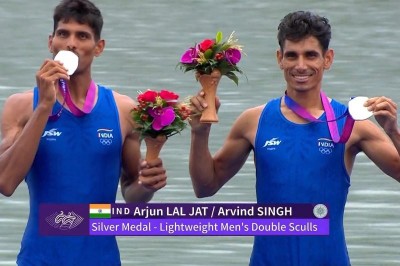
(247, 123)
(252, 113)
(123, 100)
(125, 105)
(18, 108)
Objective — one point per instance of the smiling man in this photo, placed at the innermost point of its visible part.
(72, 141)
(298, 160)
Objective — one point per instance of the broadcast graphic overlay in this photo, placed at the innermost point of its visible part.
(184, 219)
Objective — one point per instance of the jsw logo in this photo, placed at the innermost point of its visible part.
(272, 142)
(52, 133)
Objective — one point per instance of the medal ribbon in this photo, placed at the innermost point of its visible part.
(89, 101)
(87, 107)
(330, 116)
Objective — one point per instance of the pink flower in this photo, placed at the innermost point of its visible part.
(189, 56)
(162, 117)
(233, 56)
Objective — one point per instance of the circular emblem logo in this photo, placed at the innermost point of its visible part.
(320, 211)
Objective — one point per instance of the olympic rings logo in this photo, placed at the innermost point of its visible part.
(325, 150)
(106, 141)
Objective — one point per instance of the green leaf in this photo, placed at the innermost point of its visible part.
(233, 77)
(189, 69)
(218, 48)
(226, 46)
(218, 38)
(208, 54)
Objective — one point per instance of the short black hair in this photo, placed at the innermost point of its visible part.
(82, 11)
(298, 25)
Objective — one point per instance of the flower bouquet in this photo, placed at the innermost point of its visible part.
(211, 59)
(158, 116)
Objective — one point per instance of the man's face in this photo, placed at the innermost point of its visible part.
(303, 63)
(78, 38)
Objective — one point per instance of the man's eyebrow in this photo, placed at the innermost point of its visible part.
(290, 53)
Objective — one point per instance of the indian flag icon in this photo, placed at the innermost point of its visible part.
(100, 211)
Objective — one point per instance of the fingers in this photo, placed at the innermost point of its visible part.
(381, 105)
(51, 71)
(197, 106)
(198, 103)
(152, 175)
(385, 112)
(47, 77)
(380, 102)
(154, 183)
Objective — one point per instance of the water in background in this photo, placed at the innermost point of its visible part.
(144, 40)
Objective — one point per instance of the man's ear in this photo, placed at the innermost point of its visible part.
(328, 58)
(99, 47)
(279, 58)
(50, 44)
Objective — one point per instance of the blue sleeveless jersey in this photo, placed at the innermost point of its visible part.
(78, 161)
(299, 163)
